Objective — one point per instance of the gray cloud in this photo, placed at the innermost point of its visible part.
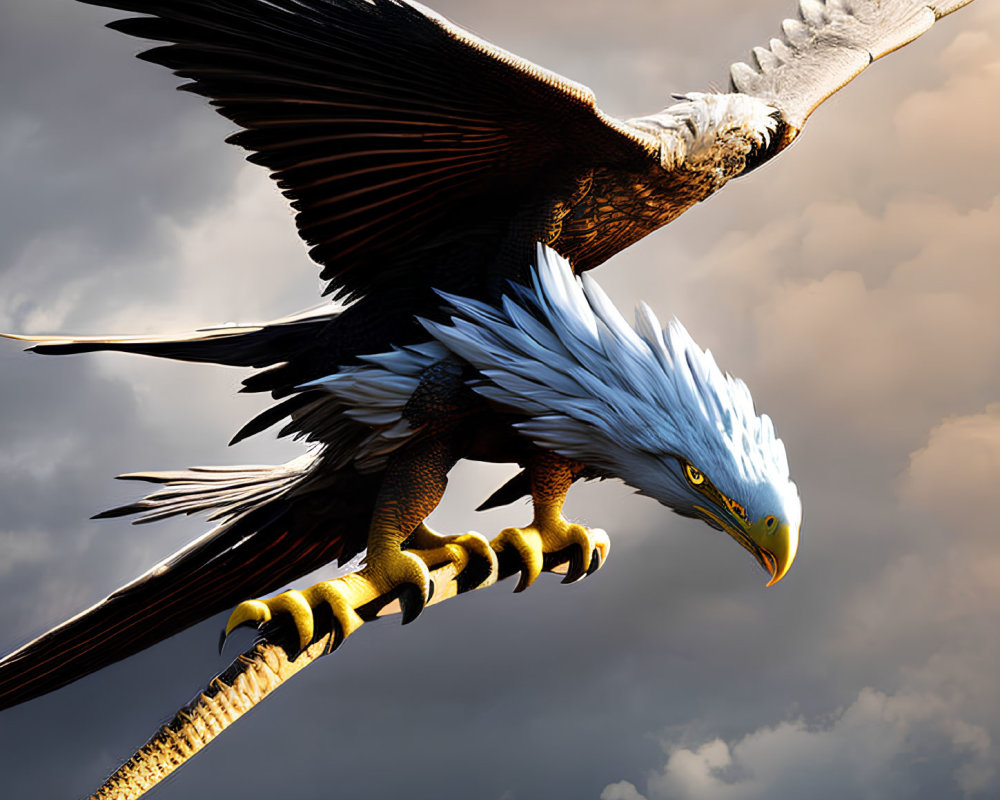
(879, 746)
(852, 283)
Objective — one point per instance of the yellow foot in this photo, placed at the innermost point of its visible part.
(301, 607)
(458, 563)
(471, 558)
(551, 544)
(389, 575)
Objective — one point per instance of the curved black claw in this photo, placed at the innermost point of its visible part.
(412, 601)
(578, 566)
(596, 560)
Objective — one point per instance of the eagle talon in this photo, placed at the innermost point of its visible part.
(576, 569)
(412, 602)
(602, 546)
(553, 545)
(345, 619)
(389, 575)
(526, 544)
(474, 559)
(260, 612)
(524, 581)
(249, 612)
(477, 549)
(394, 574)
(581, 554)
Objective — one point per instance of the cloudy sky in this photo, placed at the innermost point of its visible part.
(852, 283)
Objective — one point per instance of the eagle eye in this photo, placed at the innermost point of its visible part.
(693, 475)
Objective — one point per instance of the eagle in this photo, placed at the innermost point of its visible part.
(425, 167)
(552, 377)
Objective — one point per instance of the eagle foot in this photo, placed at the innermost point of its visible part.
(352, 599)
(472, 557)
(551, 545)
(301, 607)
(460, 563)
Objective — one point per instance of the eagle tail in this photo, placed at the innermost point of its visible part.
(289, 351)
(234, 345)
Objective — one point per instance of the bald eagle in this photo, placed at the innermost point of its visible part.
(551, 377)
(424, 163)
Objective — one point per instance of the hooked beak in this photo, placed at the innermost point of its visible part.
(774, 547)
(771, 541)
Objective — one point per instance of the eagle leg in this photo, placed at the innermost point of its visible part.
(401, 553)
(550, 542)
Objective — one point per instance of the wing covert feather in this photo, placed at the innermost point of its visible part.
(386, 126)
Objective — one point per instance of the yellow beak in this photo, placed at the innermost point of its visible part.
(778, 546)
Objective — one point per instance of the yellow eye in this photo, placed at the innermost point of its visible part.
(694, 475)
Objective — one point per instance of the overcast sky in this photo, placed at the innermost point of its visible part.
(852, 283)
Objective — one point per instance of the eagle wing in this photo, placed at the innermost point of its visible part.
(399, 137)
(387, 127)
(830, 43)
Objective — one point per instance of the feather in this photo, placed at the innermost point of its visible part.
(281, 531)
(828, 46)
(382, 122)
(610, 395)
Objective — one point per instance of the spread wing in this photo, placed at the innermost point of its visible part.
(830, 43)
(387, 127)
(400, 138)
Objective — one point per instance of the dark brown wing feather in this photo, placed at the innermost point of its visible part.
(391, 130)
(278, 542)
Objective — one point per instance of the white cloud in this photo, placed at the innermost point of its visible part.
(874, 748)
(931, 609)
(958, 469)
(942, 576)
(623, 790)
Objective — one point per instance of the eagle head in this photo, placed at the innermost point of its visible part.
(643, 404)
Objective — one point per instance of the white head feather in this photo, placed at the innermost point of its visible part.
(629, 402)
